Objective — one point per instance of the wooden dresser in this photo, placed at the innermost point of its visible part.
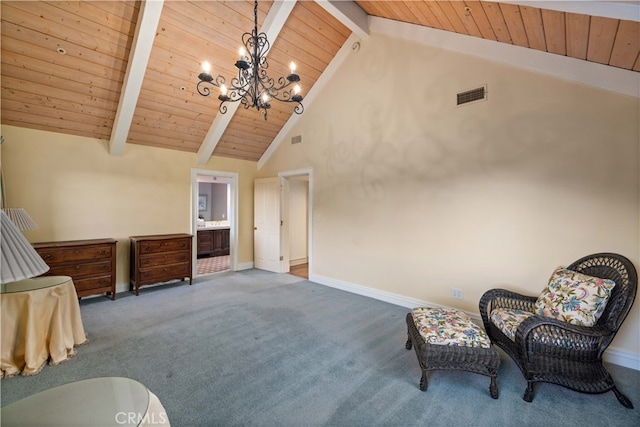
(160, 258)
(90, 263)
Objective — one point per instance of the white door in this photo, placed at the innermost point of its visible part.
(266, 226)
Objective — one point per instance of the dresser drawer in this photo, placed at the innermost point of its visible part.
(91, 263)
(147, 261)
(103, 282)
(155, 246)
(53, 256)
(160, 274)
(79, 271)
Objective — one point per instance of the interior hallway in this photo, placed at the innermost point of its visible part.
(300, 270)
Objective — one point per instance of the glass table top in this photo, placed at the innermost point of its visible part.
(33, 284)
(106, 401)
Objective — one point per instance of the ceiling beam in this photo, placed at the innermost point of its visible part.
(145, 33)
(273, 23)
(629, 11)
(349, 14)
(601, 76)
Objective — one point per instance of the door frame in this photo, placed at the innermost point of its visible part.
(233, 214)
(285, 176)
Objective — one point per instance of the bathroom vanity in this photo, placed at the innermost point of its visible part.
(213, 238)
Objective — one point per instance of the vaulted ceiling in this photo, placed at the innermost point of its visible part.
(126, 71)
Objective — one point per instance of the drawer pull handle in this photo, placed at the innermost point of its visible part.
(48, 257)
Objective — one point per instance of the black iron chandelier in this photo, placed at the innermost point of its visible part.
(253, 87)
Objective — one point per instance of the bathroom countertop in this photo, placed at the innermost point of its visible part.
(214, 225)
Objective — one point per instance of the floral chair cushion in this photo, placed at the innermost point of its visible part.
(574, 297)
(447, 326)
(507, 320)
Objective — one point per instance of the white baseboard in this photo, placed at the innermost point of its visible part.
(611, 355)
(622, 358)
(298, 261)
(244, 266)
(121, 287)
(124, 287)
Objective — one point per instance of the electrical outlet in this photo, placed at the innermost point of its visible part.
(456, 293)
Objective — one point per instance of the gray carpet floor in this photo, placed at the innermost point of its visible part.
(254, 348)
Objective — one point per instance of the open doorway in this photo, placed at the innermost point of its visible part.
(214, 212)
(296, 213)
(283, 231)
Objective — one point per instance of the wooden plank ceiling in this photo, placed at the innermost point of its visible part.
(64, 62)
(598, 39)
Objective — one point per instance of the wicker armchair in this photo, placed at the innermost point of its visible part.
(549, 350)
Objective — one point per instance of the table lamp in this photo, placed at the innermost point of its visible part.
(21, 219)
(19, 260)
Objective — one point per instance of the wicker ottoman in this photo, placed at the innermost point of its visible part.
(447, 339)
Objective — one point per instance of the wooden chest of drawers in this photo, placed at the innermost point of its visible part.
(160, 258)
(90, 263)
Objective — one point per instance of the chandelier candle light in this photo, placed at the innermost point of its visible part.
(253, 87)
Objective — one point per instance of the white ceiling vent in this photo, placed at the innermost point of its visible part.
(472, 95)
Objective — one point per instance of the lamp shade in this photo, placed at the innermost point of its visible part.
(19, 260)
(20, 218)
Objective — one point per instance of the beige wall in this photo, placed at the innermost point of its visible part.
(415, 196)
(412, 195)
(74, 189)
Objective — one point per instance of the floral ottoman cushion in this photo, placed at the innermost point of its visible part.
(447, 326)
